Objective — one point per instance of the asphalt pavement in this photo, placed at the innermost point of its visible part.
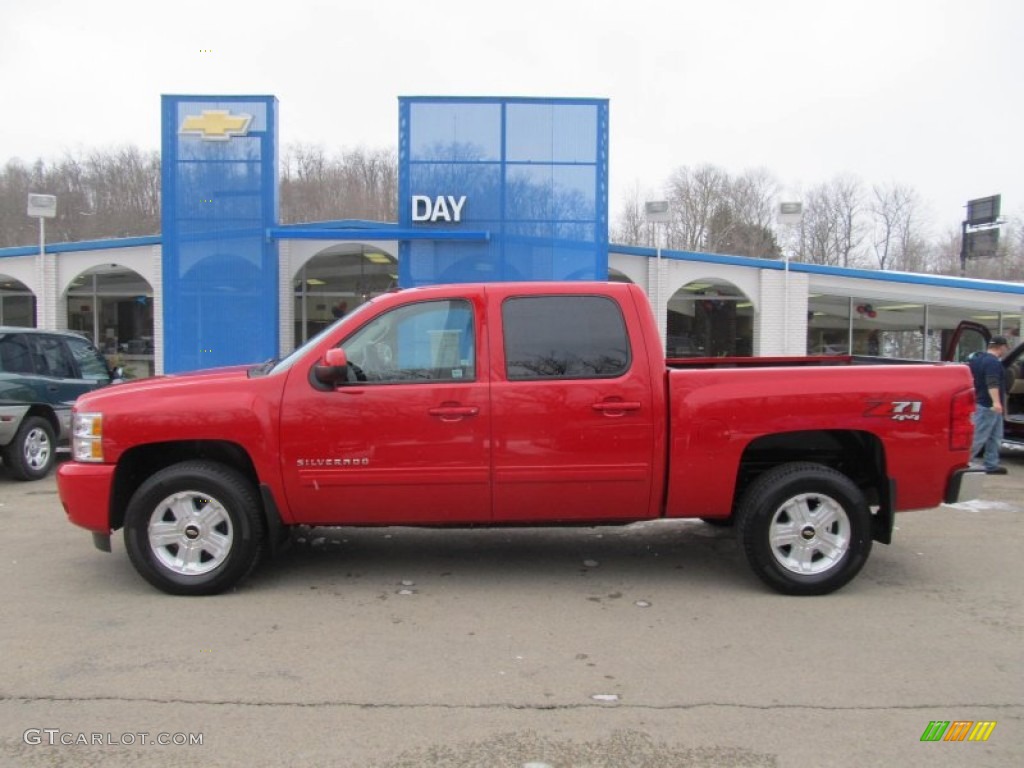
(650, 646)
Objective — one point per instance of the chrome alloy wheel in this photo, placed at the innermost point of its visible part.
(37, 449)
(190, 533)
(809, 534)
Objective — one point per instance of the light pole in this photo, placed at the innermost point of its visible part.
(658, 212)
(790, 216)
(44, 207)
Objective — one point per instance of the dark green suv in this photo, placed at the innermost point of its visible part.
(41, 375)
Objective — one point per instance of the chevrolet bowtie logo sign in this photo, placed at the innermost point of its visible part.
(216, 125)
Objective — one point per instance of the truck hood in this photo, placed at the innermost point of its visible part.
(166, 384)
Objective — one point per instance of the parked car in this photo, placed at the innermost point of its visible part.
(42, 373)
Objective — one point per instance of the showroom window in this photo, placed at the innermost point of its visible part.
(710, 318)
(113, 307)
(893, 328)
(17, 303)
(335, 282)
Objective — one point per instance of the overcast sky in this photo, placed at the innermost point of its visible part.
(922, 92)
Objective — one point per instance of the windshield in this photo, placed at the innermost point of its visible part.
(289, 361)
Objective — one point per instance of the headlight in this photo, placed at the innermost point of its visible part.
(87, 437)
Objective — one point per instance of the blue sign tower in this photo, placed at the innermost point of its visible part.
(219, 196)
(533, 173)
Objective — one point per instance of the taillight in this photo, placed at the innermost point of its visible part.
(961, 421)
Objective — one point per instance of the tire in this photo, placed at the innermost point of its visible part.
(33, 451)
(195, 528)
(805, 528)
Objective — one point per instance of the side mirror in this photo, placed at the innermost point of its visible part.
(335, 367)
(117, 375)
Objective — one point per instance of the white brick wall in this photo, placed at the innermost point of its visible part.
(658, 294)
(780, 327)
(285, 298)
(156, 256)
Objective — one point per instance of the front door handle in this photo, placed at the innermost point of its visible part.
(616, 407)
(453, 411)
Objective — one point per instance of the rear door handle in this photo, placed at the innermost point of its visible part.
(615, 407)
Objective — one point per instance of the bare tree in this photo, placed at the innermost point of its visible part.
(896, 240)
(752, 197)
(110, 193)
(944, 256)
(694, 195)
(358, 184)
(632, 227)
(16, 182)
(832, 229)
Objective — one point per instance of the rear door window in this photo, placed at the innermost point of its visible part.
(90, 364)
(52, 358)
(564, 337)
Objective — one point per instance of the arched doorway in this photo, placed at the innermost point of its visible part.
(710, 318)
(336, 281)
(113, 306)
(17, 303)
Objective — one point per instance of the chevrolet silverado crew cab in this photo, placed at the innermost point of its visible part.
(41, 374)
(515, 405)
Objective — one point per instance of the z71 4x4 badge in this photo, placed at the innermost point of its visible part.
(897, 410)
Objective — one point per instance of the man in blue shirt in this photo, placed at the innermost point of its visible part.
(990, 396)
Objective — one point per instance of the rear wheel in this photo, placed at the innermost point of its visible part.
(32, 453)
(194, 528)
(805, 528)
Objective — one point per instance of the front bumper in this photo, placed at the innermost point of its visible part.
(85, 491)
(964, 485)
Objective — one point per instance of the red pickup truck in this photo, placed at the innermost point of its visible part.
(510, 405)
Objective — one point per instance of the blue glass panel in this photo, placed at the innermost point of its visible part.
(480, 183)
(551, 192)
(535, 176)
(455, 131)
(427, 262)
(560, 133)
(545, 251)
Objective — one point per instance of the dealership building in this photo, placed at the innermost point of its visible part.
(490, 189)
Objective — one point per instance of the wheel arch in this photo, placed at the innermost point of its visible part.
(858, 454)
(44, 411)
(139, 463)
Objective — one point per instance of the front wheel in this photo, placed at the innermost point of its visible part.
(805, 528)
(194, 528)
(32, 453)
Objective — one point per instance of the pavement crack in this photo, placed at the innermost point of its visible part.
(510, 706)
